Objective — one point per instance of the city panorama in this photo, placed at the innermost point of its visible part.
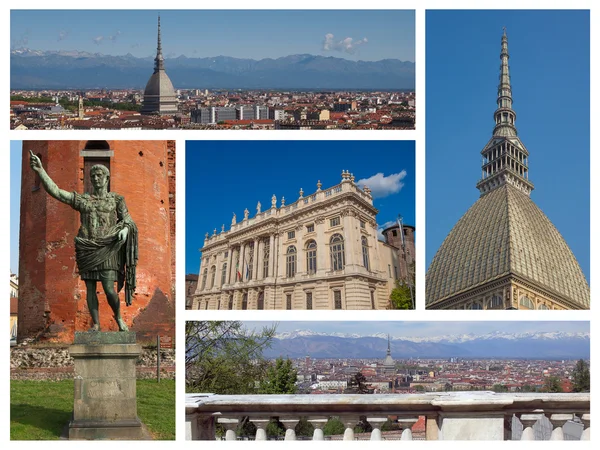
(373, 380)
(347, 242)
(135, 70)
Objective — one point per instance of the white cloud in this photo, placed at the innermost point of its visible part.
(348, 45)
(382, 227)
(62, 35)
(98, 39)
(382, 186)
(114, 36)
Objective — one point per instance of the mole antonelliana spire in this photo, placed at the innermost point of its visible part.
(159, 95)
(504, 253)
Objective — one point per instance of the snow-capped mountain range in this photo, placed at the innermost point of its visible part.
(452, 338)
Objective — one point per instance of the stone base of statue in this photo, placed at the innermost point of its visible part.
(105, 405)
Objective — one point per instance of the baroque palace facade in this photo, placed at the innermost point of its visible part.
(504, 253)
(320, 252)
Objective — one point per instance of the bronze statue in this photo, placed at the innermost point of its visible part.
(106, 247)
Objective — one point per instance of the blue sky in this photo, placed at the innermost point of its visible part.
(424, 329)
(549, 67)
(374, 35)
(15, 202)
(223, 177)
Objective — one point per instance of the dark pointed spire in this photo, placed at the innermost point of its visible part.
(389, 352)
(504, 116)
(159, 63)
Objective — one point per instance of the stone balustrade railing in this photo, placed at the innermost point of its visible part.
(448, 415)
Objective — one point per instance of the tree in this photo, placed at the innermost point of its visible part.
(357, 384)
(448, 387)
(419, 388)
(581, 377)
(552, 384)
(403, 294)
(280, 378)
(333, 426)
(499, 388)
(223, 357)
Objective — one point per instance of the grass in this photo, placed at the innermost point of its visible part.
(40, 410)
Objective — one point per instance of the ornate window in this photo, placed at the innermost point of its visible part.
(290, 261)
(224, 274)
(261, 300)
(337, 299)
(245, 301)
(288, 301)
(336, 249)
(309, 300)
(291, 234)
(266, 250)
(310, 228)
(311, 257)
(334, 222)
(496, 302)
(363, 224)
(542, 306)
(365, 252)
(213, 271)
(230, 304)
(204, 277)
(526, 302)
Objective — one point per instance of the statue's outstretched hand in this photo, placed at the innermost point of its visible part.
(34, 162)
(123, 234)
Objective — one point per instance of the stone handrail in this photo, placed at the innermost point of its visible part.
(448, 415)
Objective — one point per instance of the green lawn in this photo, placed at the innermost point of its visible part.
(41, 409)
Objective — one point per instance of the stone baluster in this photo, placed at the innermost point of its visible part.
(290, 427)
(230, 425)
(376, 423)
(318, 424)
(261, 428)
(558, 422)
(508, 422)
(406, 425)
(528, 421)
(349, 422)
(585, 419)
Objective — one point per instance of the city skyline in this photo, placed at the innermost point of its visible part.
(351, 34)
(425, 328)
(562, 189)
(250, 179)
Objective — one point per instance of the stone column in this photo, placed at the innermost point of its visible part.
(318, 425)
(271, 255)
(349, 422)
(242, 267)
(290, 427)
(431, 428)
(261, 428)
(255, 260)
(376, 423)
(191, 427)
(528, 421)
(558, 421)
(232, 266)
(229, 264)
(259, 260)
(230, 425)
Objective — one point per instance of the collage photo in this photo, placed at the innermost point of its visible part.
(267, 223)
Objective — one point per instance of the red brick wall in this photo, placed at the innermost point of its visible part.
(51, 295)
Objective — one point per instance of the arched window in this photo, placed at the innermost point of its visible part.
(224, 274)
(230, 303)
(311, 257)
(542, 306)
(365, 252)
(476, 306)
(245, 301)
(261, 300)
(204, 277)
(266, 250)
(213, 271)
(526, 302)
(336, 249)
(495, 302)
(291, 261)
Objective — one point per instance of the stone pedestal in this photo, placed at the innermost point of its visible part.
(105, 405)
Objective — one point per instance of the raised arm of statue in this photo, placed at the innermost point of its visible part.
(49, 185)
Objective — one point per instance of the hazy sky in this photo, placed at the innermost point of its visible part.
(550, 76)
(423, 329)
(351, 34)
